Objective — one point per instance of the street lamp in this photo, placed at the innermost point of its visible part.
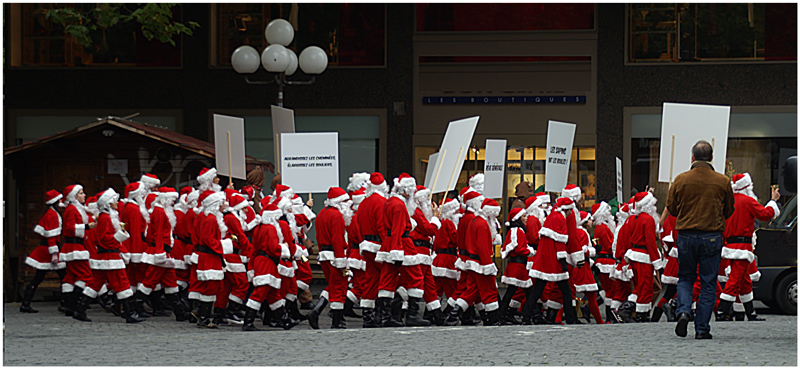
(277, 58)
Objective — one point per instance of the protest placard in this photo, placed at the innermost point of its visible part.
(310, 161)
(560, 137)
(494, 168)
(682, 125)
(229, 146)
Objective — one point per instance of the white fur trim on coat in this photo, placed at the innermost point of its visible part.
(74, 255)
(589, 287)
(755, 277)
(52, 250)
(445, 273)
(488, 269)
(235, 267)
(669, 280)
(44, 266)
(562, 255)
(516, 282)
(552, 277)
(267, 280)
(210, 275)
(639, 257)
(511, 245)
(368, 246)
(328, 256)
(227, 246)
(737, 254)
(553, 235)
(673, 252)
(746, 298)
(285, 271)
(113, 264)
(354, 263)
(121, 236)
(772, 204)
(42, 232)
(80, 230)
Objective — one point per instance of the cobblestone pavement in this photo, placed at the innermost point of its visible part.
(49, 338)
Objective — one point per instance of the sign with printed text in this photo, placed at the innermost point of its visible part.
(429, 171)
(454, 149)
(560, 137)
(682, 125)
(229, 140)
(310, 161)
(117, 166)
(282, 122)
(494, 169)
(619, 182)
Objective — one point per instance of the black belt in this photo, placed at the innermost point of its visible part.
(355, 247)
(205, 249)
(326, 248)
(167, 248)
(472, 256)
(184, 240)
(249, 238)
(739, 240)
(43, 242)
(422, 243)
(372, 238)
(518, 259)
(274, 259)
(73, 240)
(640, 247)
(534, 246)
(405, 234)
(449, 251)
(143, 238)
(101, 250)
(605, 256)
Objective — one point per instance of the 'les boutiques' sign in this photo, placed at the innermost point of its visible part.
(449, 100)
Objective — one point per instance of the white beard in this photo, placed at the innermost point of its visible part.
(114, 219)
(143, 209)
(749, 192)
(411, 206)
(209, 186)
(170, 215)
(492, 220)
(292, 225)
(452, 215)
(223, 229)
(82, 210)
(347, 214)
(274, 223)
(426, 208)
(478, 187)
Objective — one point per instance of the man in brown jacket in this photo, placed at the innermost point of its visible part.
(701, 199)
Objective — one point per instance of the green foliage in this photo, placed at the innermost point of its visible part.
(155, 19)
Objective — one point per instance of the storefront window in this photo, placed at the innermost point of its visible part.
(712, 32)
(44, 43)
(351, 34)
(504, 17)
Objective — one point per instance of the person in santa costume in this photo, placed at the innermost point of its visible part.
(445, 247)
(481, 236)
(738, 246)
(44, 257)
(581, 262)
(643, 255)
(355, 262)
(399, 257)
(332, 240)
(208, 254)
(135, 216)
(622, 309)
(371, 226)
(516, 250)
(304, 218)
(182, 244)
(208, 180)
(426, 218)
(669, 279)
(550, 261)
(472, 204)
(107, 264)
(268, 248)
(73, 252)
(230, 298)
(536, 208)
(604, 226)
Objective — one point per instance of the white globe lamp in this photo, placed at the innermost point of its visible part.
(280, 32)
(313, 60)
(245, 60)
(275, 58)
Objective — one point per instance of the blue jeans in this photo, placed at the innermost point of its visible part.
(701, 249)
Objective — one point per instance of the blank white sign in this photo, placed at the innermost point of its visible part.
(560, 136)
(619, 182)
(689, 123)
(223, 127)
(310, 161)
(494, 166)
(282, 122)
(429, 173)
(454, 148)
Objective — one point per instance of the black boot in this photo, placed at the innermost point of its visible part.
(337, 322)
(233, 314)
(204, 312)
(249, 319)
(610, 317)
(158, 306)
(738, 316)
(391, 311)
(177, 307)
(313, 316)
(587, 314)
(72, 301)
(194, 311)
(348, 308)
(468, 316)
(492, 318)
(370, 320)
(570, 317)
(286, 321)
(750, 312)
(27, 297)
(669, 311)
(484, 317)
(538, 319)
(413, 319)
(114, 305)
(626, 311)
(454, 317)
(138, 304)
(129, 315)
(104, 301)
(219, 316)
(723, 311)
(266, 315)
(657, 312)
(643, 317)
(294, 311)
(80, 308)
(63, 305)
(438, 317)
(447, 309)
(551, 316)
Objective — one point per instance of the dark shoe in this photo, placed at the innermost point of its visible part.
(129, 315)
(723, 312)
(370, 320)
(626, 311)
(643, 317)
(204, 320)
(683, 321)
(27, 297)
(286, 321)
(454, 317)
(313, 316)
(307, 305)
(437, 317)
(194, 314)
(348, 309)
(157, 304)
(538, 319)
(468, 317)
(750, 312)
(657, 312)
(738, 316)
(702, 336)
(294, 311)
(413, 319)
(587, 314)
(551, 316)
(669, 310)
(219, 316)
(493, 318)
(177, 307)
(249, 319)
(138, 304)
(754, 317)
(393, 311)
(80, 312)
(337, 322)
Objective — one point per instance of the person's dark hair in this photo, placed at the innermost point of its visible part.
(702, 151)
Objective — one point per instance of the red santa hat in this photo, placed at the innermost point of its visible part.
(376, 179)
(266, 201)
(600, 208)
(71, 191)
(51, 197)
(210, 198)
(642, 199)
(167, 193)
(106, 197)
(237, 202)
(564, 203)
(741, 181)
(405, 181)
(624, 208)
(134, 190)
(449, 205)
(336, 196)
(514, 215)
(464, 191)
(230, 192)
(207, 175)
(358, 196)
(192, 196)
(422, 193)
(572, 191)
(148, 201)
(91, 203)
(470, 195)
(284, 203)
(584, 217)
(270, 212)
(284, 191)
(545, 198)
(248, 192)
(490, 205)
(150, 180)
(186, 190)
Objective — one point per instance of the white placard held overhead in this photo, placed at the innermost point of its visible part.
(310, 161)
(559, 152)
(429, 171)
(229, 146)
(454, 148)
(682, 125)
(494, 169)
(620, 200)
(282, 122)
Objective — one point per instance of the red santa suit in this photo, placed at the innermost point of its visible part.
(581, 276)
(73, 252)
(739, 238)
(370, 224)
(426, 227)
(135, 216)
(480, 265)
(303, 216)
(333, 246)
(182, 237)
(235, 284)
(604, 234)
(643, 253)
(49, 231)
(107, 264)
(158, 256)
(268, 248)
(621, 275)
(445, 246)
(516, 251)
(398, 248)
(210, 248)
(473, 201)
(355, 261)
